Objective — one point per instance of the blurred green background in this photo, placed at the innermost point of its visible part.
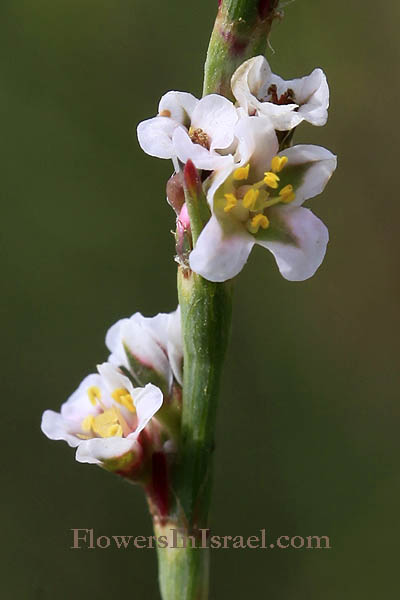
(308, 418)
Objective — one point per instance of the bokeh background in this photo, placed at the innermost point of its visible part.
(308, 418)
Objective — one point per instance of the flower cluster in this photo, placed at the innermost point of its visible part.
(254, 180)
(122, 416)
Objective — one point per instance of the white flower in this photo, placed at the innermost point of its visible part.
(286, 103)
(260, 203)
(104, 417)
(188, 128)
(153, 343)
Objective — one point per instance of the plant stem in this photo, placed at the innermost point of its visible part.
(206, 316)
(183, 571)
(240, 32)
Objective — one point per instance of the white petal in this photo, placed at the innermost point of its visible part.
(311, 94)
(157, 327)
(139, 334)
(220, 254)
(148, 401)
(250, 84)
(309, 169)
(217, 178)
(297, 239)
(155, 136)
(175, 344)
(257, 144)
(283, 116)
(248, 79)
(114, 342)
(113, 378)
(98, 450)
(55, 427)
(180, 105)
(78, 405)
(201, 157)
(216, 116)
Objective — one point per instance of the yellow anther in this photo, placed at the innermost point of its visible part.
(87, 423)
(241, 173)
(250, 198)
(165, 113)
(287, 194)
(271, 180)
(123, 397)
(256, 222)
(231, 202)
(278, 162)
(104, 424)
(94, 394)
(115, 431)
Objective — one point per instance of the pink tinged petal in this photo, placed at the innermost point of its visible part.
(202, 158)
(220, 254)
(55, 427)
(183, 218)
(180, 105)
(148, 401)
(309, 169)
(297, 239)
(155, 136)
(217, 117)
(98, 450)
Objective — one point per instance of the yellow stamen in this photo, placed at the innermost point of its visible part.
(81, 436)
(256, 222)
(231, 202)
(87, 423)
(126, 430)
(278, 162)
(241, 173)
(165, 113)
(115, 430)
(287, 194)
(250, 198)
(94, 394)
(123, 397)
(104, 424)
(271, 180)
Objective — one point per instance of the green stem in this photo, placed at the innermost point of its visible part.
(183, 571)
(240, 32)
(206, 316)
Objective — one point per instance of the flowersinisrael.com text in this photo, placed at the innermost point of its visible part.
(87, 539)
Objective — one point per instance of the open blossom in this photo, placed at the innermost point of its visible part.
(286, 103)
(146, 345)
(188, 128)
(104, 417)
(259, 202)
